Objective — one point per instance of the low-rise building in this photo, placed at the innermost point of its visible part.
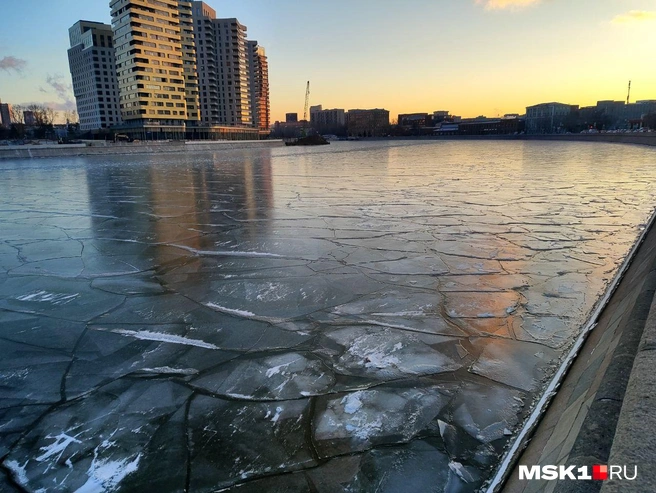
(613, 115)
(491, 126)
(367, 123)
(415, 120)
(548, 118)
(321, 119)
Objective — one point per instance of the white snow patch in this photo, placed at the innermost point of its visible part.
(399, 314)
(18, 471)
(274, 370)
(162, 337)
(378, 359)
(239, 396)
(460, 471)
(57, 447)
(230, 311)
(105, 475)
(276, 417)
(224, 253)
(365, 429)
(172, 371)
(352, 402)
(46, 297)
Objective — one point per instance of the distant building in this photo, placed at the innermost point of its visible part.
(415, 120)
(29, 118)
(491, 126)
(92, 66)
(327, 119)
(291, 117)
(612, 115)
(508, 125)
(5, 114)
(367, 123)
(234, 87)
(259, 80)
(233, 75)
(548, 118)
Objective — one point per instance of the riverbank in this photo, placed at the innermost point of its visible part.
(646, 138)
(104, 148)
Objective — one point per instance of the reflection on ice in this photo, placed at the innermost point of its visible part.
(371, 317)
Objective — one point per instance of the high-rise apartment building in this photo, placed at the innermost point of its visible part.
(233, 73)
(91, 62)
(189, 62)
(5, 115)
(178, 72)
(259, 85)
(208, 62)
(148, 38)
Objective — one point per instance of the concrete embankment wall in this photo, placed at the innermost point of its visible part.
(647, 138)
(38, 151)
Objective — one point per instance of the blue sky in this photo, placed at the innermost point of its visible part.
(468, 56)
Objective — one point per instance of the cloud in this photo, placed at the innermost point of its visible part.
(61, 89)
(507, 4)
(634, 16)
(11, 63)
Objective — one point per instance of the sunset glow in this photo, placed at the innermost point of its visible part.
(470, 57)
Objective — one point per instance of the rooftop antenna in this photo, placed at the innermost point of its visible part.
(628, 94)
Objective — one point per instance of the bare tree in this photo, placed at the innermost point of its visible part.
(50, 116)
(39, 113)
(17, 115)
(70, 116)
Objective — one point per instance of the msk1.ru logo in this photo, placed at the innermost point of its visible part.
(599, 473)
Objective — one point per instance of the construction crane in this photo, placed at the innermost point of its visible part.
(628, 94)
(307, 101)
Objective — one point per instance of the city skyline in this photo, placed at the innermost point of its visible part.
(472, 57)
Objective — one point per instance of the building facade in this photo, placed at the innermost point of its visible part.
(93, 71)
(5, 115)
(367, 123)
(148, 39)
(415, 120)
(259, 86)
(234, 86)
(233, 73)
(548, 118)
(330, 120)
(616, 115)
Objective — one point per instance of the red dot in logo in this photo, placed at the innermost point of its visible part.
(599, 473)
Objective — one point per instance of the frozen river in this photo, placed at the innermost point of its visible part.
(365, 316)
